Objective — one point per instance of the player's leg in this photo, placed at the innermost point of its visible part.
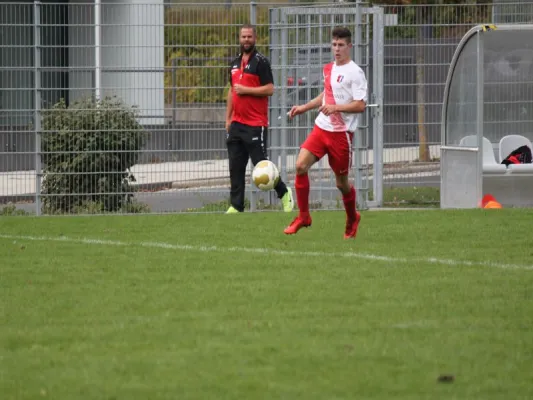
(256, 143)
(311, 151)
(340, 161)
(353, 217)
(238, 159)
(304, 162)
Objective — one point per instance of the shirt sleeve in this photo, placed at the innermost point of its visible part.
(229, 73)
(360, 86)
(265, 73)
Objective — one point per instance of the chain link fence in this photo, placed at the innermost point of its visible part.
(158, 143)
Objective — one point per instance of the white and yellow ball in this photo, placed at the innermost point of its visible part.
(265, 175)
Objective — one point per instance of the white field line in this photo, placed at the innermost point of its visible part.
(216, 249)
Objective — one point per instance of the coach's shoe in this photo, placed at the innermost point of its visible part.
(298, 223)
(287, 201)
(232, 210)
(351, 227)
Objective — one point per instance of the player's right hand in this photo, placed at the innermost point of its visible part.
(228, 123)
(296, 110)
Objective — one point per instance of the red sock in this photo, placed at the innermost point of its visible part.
(349, 204)
(301, 184)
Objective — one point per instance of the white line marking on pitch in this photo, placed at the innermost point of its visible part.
(416, 324)
(215, 249)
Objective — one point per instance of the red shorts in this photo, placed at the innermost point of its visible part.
(337, 145)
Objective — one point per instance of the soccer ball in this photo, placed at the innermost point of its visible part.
(265, 175)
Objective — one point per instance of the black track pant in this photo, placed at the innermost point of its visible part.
(245, 142)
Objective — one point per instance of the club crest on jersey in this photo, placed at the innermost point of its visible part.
(340, 78)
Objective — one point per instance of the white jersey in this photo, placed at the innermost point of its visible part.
(342, 85)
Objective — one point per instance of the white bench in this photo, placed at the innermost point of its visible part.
(511, 185)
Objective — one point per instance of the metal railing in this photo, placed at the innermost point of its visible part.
(171, 62)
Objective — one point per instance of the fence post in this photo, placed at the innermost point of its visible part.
(358, 140)
(480, 82)
(97, 48)
(253, 12)
(378, 43)
(253, 189)
(283, 111)
(37, 100)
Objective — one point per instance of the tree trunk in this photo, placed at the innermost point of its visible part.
(422, 18)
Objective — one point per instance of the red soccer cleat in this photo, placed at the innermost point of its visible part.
(351, 227)
(297, 223)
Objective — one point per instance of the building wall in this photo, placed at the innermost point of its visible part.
(16, 62)
(132, 55)
(81, 49)
(132, 60)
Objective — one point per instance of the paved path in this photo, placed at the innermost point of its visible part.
(20, 183)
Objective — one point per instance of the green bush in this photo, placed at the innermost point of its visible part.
(88, 149)
(10, 210)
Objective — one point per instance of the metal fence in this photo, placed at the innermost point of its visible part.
(171, 61)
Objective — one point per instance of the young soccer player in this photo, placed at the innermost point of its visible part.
(343, 99)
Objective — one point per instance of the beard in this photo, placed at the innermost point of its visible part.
(247, 49)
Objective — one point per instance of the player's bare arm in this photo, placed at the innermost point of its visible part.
(315, 103)
(260, 91)
(229, 110)
(356, 106)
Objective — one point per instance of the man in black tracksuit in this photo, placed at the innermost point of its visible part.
(247, 118)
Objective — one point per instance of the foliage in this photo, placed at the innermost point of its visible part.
(407, 197)
(93, 207)
(433, 19)
(11, 210)
(422, 20)
(200, 45)
(199, 48)
(88, 149)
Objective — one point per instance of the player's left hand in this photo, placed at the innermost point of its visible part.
(328, 109)
(240, 89)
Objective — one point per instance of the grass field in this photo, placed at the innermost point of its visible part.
(227, 307)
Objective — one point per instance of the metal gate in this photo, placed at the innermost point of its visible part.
(300, 44)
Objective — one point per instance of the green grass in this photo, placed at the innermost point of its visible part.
(410, 196)
(416, 196)
(123, 317)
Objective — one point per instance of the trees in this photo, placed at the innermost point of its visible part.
(423, 20)
(200, 45)
(199, 48)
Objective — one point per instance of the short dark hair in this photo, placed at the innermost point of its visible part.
(248, 26)
(341, 32)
